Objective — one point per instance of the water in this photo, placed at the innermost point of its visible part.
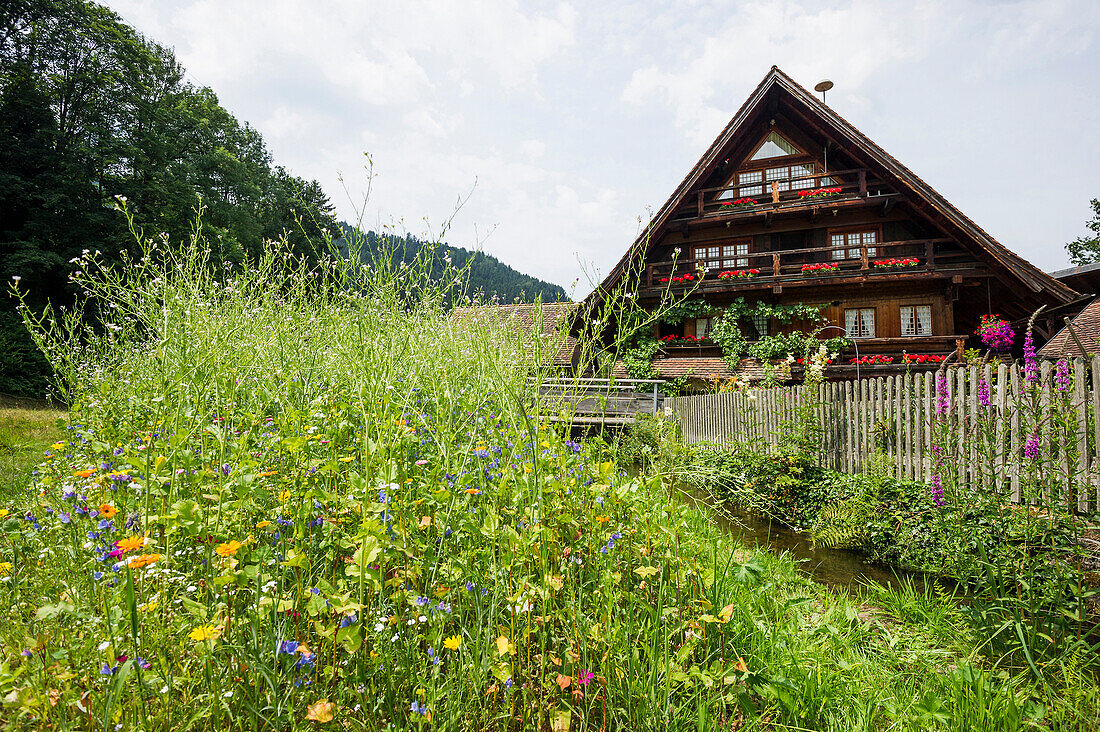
(834, 567)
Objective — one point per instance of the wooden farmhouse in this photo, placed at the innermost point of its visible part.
(792, 204)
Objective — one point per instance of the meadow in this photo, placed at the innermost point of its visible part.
(292, 499)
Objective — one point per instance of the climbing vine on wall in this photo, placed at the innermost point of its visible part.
(727, 332)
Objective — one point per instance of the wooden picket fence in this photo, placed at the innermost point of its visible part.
(895, 414)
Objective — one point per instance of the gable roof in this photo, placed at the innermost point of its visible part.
(775, 81)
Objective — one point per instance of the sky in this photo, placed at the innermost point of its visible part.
(544, 133)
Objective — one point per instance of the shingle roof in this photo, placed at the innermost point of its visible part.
(708, 368)
(1087, 326)
(552, 329)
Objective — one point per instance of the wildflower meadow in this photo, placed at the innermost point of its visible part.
(292, 498)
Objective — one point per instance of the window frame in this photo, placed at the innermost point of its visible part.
(737, 257)
(859, 320)
(847, 248)
(916, 319)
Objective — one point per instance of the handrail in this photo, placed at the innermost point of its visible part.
(817, 177)
(923, 250)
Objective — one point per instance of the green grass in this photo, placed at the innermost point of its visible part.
(345, 512)
(26, 430)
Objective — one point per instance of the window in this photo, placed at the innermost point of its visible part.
(847, 244)
(723, 256)
(860, 322)
(756, 327)
(783, 173)
(745, 190)
(702, 327)
(774, 146)
(916, 320)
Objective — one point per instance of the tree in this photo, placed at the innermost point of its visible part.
(1086, 249)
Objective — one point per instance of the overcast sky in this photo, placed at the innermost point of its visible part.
(567, 122)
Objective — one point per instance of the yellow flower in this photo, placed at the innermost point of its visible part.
(321, 712)
(3, 512)
(83, 473)
(262, 524)
(228, 549)
(57, 445)
(5, 569)
(130, 544)
(452, 643)
(202, 633)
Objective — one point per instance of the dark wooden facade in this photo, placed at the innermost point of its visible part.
(794, 205)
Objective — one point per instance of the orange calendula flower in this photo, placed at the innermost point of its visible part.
(474, 491)
(143, 560)
(262, 524)
(83, 473)
(130, 544)
(228, 549)
(602, 519)
(107, 511)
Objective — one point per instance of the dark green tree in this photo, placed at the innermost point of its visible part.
(1086, 249)
(90, 111)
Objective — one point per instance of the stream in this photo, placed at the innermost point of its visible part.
(833, 567)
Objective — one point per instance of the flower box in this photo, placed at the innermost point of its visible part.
(678, 339)
(739, 274)
(896, 263)
(820, 193)
(872, 360)
(678, 279)
(922, 358)
(820, 267)
(739, 203)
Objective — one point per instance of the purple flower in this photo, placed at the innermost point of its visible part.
(1031, 447)
(996, 333)
(937, 490)
(1061, 376)
(941, 394)
(983, 393)
(1031, 365)
(288, 647)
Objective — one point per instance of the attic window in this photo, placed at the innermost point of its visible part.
(774, 146)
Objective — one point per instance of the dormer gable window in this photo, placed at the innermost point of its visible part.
(775, 146)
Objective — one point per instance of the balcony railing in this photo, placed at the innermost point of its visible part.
(931, 255)
(826, 188)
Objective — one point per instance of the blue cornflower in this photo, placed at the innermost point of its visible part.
(470, 586)
(287, 647)
(348, 620)
(107, 669)
(421, 601)
(314, 591)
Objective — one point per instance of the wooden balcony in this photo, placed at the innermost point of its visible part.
(935, 258)
(840, 188)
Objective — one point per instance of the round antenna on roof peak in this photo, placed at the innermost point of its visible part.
(823, 86)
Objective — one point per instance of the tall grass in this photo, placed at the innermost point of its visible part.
(290, 498)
